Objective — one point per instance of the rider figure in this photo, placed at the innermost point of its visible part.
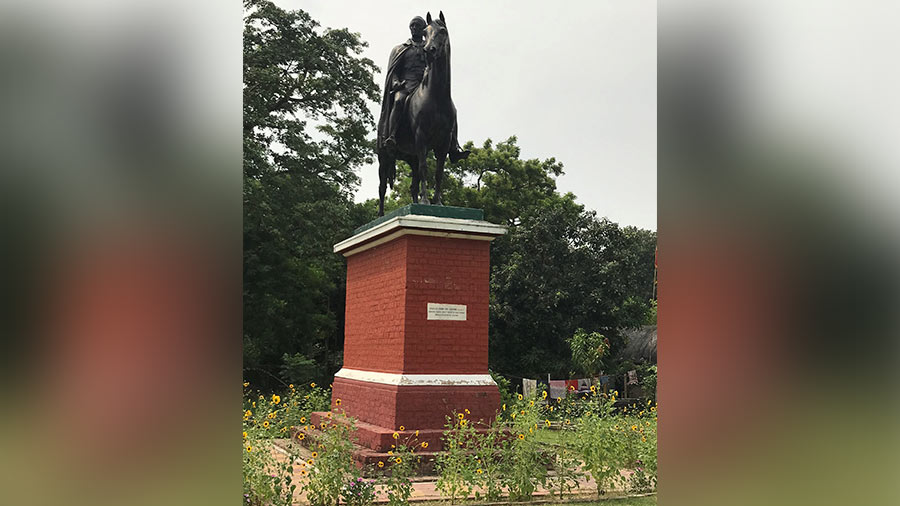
(406, 68)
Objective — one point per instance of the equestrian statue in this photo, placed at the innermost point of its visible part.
(417, 113)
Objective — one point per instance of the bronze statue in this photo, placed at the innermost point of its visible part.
(417, 113)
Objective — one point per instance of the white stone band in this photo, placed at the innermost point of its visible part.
(453, 227)
(388, 378)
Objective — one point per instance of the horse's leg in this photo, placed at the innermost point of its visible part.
(422, 158)
(438, 177)
(414, 187)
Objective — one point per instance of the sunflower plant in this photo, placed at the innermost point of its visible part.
(331, 465)
(524, 456)
(457, 463)
(397, 470)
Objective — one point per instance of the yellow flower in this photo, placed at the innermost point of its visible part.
(321, 446)
(310, 461)
(380, 463)
(402, 428)
(531, 403)
(261, 397)
(246, 384)
(634, 427)
(593, 389)
(245, 434)
(315, 455)
(291, 386)
(548, 422)
(479, 471)
(461, 416)
(520, 397)
(467, 411)
(521, 436)
(567, 421)
(424, 444)
(551, 409)
(301, 436)
(522, 412)
(271, 415)
(303, 472)
(531, 430)
(253, 404)
(249, 448)
(323, 424)
(276, 399)
(417, 433)
(312, 385)
(390, 452)
(395, 435)
(504, 407)
(248, 414)
(463, 422)
(544, 394)
(398, 460)
(266, 424)
(302, 419)
(337, 402)
(513, 416)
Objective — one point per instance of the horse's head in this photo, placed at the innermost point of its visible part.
(437, 40)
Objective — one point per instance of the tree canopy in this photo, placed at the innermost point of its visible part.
(306, 131)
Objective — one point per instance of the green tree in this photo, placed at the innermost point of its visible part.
(589, 349)
(306, 131)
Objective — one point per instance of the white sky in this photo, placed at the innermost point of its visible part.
(575, 83)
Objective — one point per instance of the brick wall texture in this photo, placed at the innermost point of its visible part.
(388, 290)
(387, 330)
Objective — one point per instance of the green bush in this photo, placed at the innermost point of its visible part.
(331, 463)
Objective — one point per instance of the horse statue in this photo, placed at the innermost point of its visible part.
(428, 121)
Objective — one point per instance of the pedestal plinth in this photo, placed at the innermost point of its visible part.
(416, 329)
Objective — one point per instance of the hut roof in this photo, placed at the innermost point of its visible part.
(640, 344)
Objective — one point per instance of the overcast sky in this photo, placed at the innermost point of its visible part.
(575, 83)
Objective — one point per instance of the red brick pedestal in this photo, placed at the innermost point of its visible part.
(416, 331)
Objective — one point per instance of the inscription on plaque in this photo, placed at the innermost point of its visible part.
(446, 311)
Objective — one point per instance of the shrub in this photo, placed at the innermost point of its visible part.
(399, 469)
(358, 492)
(267, 481)
(456, 464)
(489, 448)
(526, 465)
(331, 463)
